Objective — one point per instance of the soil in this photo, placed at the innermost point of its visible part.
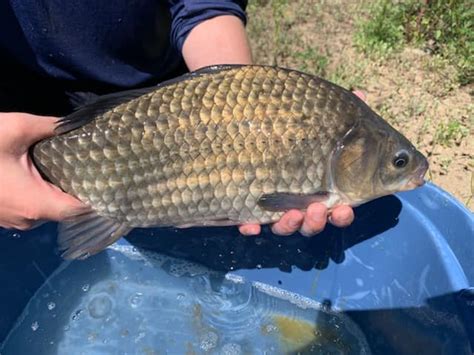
(416, 92)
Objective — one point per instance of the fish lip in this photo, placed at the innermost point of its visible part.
(419, 178)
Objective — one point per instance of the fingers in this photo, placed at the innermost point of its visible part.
(360, 94)
(309, 224)
(315, 219)
(21, 130)
(26, 200)
(342, 216)
(289, 223)
(12, 220)
(250, 229)
(58, 206)
(37, 128)
(43, 205)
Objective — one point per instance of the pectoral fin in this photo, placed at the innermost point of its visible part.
(88, 234)
(278, 202)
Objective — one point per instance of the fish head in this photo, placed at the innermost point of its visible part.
(373, 160)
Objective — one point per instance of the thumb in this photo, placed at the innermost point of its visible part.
(20, 130)
(35, 128)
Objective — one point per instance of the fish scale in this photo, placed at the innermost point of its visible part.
(202, 149)
(128, 128)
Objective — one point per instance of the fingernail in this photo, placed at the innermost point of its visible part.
(305, 234)
(254, 231)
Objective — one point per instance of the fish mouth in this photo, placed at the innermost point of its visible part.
(419, 176)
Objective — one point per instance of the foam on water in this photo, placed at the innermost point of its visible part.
(130, 301)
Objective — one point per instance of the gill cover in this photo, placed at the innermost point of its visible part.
(373, 160)
(354, 162)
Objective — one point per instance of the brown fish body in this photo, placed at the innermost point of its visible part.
(221, 146)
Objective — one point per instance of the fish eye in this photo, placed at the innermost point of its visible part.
(401, 160)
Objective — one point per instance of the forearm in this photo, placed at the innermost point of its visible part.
(219, 40)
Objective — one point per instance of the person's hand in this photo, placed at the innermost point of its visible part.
(26, 200)
(312, 221)
(307, 223)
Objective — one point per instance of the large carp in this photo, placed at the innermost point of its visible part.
(224, 145)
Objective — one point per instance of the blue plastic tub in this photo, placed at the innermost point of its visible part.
(400, 280)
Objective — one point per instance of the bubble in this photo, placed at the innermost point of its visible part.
(16, 235)
(179, 268)
(51, 306)
(180, 296)
(269, 328)
(92, 337)
(209, 341)
(76, 314)
(100, 306)
(258, 266)
(294, 298)
(136, 299)
(85, 287)
(231, 349)
(34, 326)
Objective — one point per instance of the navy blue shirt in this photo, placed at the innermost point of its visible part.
(113, 43)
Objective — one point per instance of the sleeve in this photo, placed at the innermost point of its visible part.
(186, 14)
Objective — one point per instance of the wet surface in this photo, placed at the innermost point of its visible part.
(146, 303)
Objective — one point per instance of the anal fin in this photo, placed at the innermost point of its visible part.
(88, 234)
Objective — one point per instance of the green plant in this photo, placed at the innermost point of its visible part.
(440, 27)
(445, 27)
(278, 8)
(312, 61)
(383, 30)
(348, 77)
(451, 132)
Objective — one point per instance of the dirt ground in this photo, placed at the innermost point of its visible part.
(416, 92)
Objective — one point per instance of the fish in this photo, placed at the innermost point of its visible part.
(220, 146)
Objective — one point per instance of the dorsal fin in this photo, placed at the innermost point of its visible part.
(96, 107)
(217, 68)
